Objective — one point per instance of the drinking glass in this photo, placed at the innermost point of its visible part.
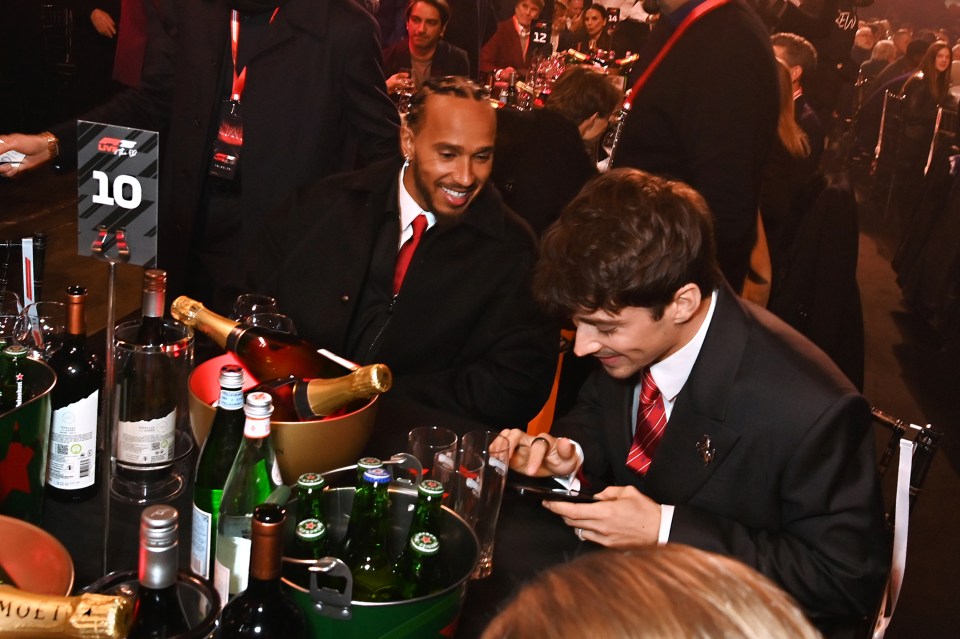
(405, 92)
(274, 321)
(42, 327)
(249, 303)
(493, 450)
(10, 328)
(10, 303)
(465, 489)
(433, 445)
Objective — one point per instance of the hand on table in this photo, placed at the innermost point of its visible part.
(103, 23)
(623, 518)
(541, 456)
(35, 147)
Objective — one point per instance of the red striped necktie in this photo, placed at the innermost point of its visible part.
(405, 255)
(651, 420)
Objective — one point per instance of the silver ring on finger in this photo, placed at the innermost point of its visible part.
(579, 533)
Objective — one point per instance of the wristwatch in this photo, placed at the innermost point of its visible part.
(53, 144)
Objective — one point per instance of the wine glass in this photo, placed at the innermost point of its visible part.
(10, 303)
(274, 321)
(10, 330)
(42, 328)
(249, 303)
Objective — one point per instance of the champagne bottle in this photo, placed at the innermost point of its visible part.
(213, 467)
(301, 400)
(87, 616)
(266, 354)
(253, 476)
(415, 567)
(157, 611)
(147, 416)
(5, 578)
(11, 384)
(73, 466)
(262, 609)
(368, 556)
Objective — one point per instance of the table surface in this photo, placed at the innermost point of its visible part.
(529, 538)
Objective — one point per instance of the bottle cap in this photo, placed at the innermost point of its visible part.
(258, 405)
(311, 530)
(377, 476)
(231, 376)
(425, 543)
(16, 351)
(431, 487)
(366, 463)
(311, 480)
(154, 281)
(158, 526)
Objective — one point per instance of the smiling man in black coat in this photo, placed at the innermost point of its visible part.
(459, 329)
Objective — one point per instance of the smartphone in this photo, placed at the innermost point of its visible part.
(559, 493)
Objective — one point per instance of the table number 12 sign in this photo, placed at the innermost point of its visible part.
(117, 183)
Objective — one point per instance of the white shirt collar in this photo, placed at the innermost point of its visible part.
(409, 209)
(671, 373)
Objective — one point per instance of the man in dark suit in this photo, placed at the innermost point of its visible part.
(712, 423)
(423, 53)
(800, 58)
(459, 329)
(708, 116)
(313, 101)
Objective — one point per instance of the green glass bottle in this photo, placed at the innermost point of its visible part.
(426, 514)
(310, 489)
(216, 458)
(368, 556)
(13, 377)
(254, 475)
(311, 539)
(415, 567)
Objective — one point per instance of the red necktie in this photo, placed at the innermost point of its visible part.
(405, 255)
(651, 420)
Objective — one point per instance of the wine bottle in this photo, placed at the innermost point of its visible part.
(253, 476)
(73, 465)
(157, 611)
(415, 567)
(216, 458)
(368, 555)
(11, 384)
(147, 417)
(262, 609)
(302, 400)
(266, 354)
(87, 616)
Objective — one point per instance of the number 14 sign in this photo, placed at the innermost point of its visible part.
(117, 183)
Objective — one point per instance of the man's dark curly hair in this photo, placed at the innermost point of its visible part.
(448, 85)
(628, 239)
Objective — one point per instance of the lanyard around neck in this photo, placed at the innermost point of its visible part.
(239, 79)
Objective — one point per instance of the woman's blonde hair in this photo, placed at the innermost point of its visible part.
(792, 137)
(662, 592)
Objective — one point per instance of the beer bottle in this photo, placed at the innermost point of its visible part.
(414, 569)
(368, 556)
(312, 539)
(216, 458)
(310, 489)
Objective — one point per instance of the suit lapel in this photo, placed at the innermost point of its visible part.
(697, 428)
(310, 17)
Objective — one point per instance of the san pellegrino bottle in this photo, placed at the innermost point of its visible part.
(415, 566)
(157, 611)
(253, 476)
(213, 467)
(147, 418)
(368, 556)
(13, 377)
(302, 400)
(266, 354)
(72, 466)
(262, 609)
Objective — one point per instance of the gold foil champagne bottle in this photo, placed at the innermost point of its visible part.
(302, 400)
(265, 353)
(32, 616)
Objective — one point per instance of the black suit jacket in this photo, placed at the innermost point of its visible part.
(463, 335)
(447, 59)
(708, 117)
(792, 489)
(314, 99)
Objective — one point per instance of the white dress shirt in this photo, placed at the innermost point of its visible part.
(409, 209)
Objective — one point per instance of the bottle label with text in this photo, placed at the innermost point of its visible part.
(147, 441)
(200, 542)
(73, 444)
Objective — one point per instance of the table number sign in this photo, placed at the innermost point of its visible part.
(117, 184)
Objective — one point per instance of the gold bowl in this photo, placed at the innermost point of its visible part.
(301, 447)
(34, 559)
